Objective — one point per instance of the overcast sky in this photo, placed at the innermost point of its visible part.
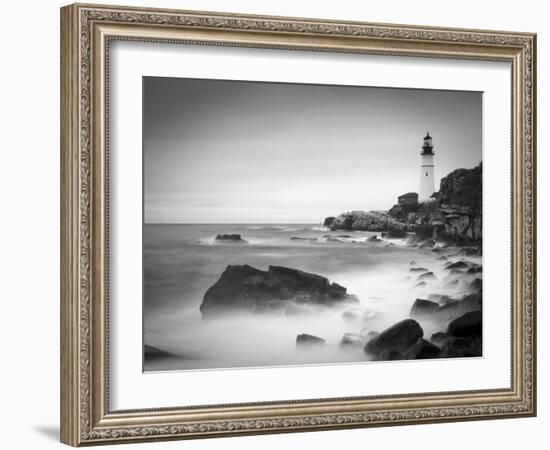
(248, 152)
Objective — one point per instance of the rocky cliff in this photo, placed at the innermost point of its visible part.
(454, 214)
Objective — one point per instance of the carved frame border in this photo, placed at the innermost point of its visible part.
(86, 31)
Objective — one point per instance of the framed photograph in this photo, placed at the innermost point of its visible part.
(274, 224)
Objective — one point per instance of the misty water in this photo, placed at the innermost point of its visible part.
(182, 261)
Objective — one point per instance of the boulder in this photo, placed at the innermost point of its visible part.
(456, 272)
(299, 238)
(242, 288)
(458, 347)
(422, 308)
(374, 238)
(457, 308)
(457, 265)
(309, 341)
(230, 238)
(398, 338)
(412, 263)
(388, 355)
(422, 349)
(421, 284)
(418, 269)
(394, 234)
(469, 251)
(368, 334)
(428, 243)
(442, 299)
(468, 325)
(476, 285)
(451, 309)
(427, 276)
(351, 340)
(151, 353)
(328, 222)
(440, 338)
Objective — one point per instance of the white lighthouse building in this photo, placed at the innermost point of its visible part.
(427, 185)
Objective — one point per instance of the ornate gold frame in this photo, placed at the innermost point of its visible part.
(86, 31)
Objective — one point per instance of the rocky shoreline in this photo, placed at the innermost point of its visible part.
(453, 215)
(293, 293)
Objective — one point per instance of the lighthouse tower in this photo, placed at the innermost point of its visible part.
(427, 186)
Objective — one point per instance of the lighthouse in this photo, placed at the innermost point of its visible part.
(427, 186)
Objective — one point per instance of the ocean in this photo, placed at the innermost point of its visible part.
(181, 261)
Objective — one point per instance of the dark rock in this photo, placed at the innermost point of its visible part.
(451, 309)
(413, 240)
(440, 298)
(457, 265)
(469, 251)
(440, 338)
(468, 325)
(389, 355)
(394, 234)
(367, 334)
(246, 289)
(412, 263)
(230, 237)
(476, 285)
(422, 349)
(427, 276)
(455, 308)
(428, 243)
(456, 272)
(398, 338)
(151, 353)
(308, 340)
(328, 222)
(374, 238)
(421, 284)
(458, 347)
(298, 238)
(351, 340)
(418, 269)
(474, 270)
(460, 200)
(422, 308)
(345, 236)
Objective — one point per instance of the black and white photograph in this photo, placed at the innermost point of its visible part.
(294, 224)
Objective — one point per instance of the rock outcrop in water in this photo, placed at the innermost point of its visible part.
(455, 213)
(230, 238)
(394, 342)
(242, 288)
